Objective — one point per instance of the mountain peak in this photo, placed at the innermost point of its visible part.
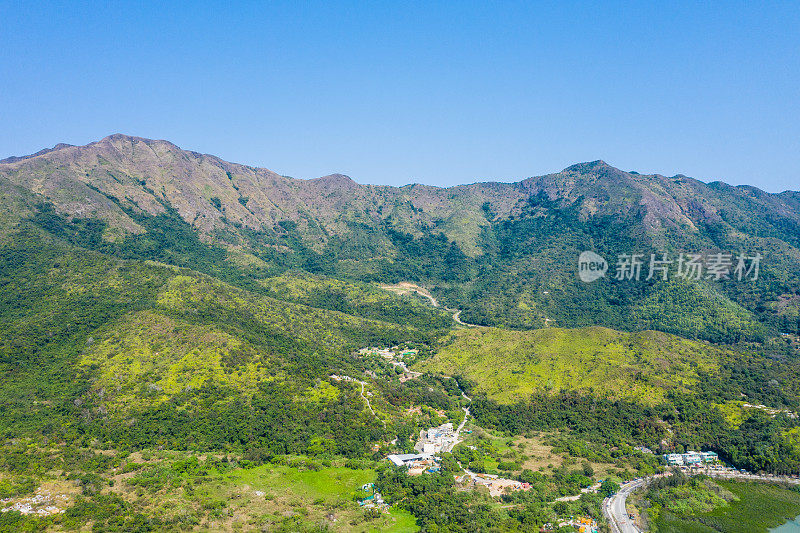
(590, 166)
(335, 180)
(122, 137)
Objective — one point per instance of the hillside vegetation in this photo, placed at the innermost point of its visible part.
(130, 352)
(355, 298)
(511, 365)
(504, 253)
(180, 336)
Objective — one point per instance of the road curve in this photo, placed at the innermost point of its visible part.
(406, 286)
(617, 515)
(615, 511)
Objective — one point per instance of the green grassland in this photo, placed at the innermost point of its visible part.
(325, 494)
(510, 365)
(164, 490)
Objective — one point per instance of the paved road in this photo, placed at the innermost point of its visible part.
(617, 515)
(461, 425)
(614, 509)
(405, 286)
(457, 318)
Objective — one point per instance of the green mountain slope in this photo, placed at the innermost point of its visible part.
(599, 386)
(151, 296)
(509, 366)
(139, 353)
(505, 253)
(356, 298)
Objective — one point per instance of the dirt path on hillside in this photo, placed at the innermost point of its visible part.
(406, 287)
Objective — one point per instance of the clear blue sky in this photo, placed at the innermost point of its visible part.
(438, 93)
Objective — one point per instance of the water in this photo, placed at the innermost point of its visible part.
(792, 526)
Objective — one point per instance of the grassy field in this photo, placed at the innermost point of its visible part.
(297, 498)
(510, 365)
(529, 453)
(178, 491)
(537, 452)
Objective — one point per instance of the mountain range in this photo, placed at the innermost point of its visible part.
(505, 253)
(177, 328)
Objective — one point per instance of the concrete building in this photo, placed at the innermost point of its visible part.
(438, 439)
(692, 458)
(405, 459)
(709, 457)
(673, 459)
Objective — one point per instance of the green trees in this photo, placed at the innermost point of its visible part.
(609, 488)
(439, 507)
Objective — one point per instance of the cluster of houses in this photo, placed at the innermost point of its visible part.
(430, 443)
(374, 500)
(690, 458)
(394, 356)
(580, 524)
(439, 439)
(336, 377)
(420, 463)
(390, 354)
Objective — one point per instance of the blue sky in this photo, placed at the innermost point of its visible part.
(438, 93)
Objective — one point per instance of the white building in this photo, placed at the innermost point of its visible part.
(709, 457)
(673, 459)
(404, 459)
(692, 458)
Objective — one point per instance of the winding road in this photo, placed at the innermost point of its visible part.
(463, 422)
(369, 405)
(405, 287)
(615, 511)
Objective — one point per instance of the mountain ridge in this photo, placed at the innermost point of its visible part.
(494, 249)
(594, 165)
(158, 298)
(266, 197)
